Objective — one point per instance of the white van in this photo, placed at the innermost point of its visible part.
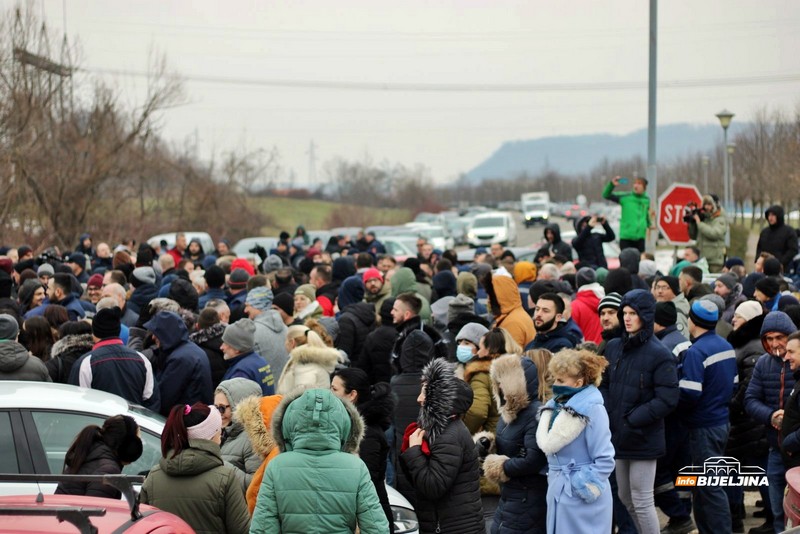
(492, 227)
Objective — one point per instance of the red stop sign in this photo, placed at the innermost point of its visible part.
(670, 212)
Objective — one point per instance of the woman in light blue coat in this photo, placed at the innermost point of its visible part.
(574, 434)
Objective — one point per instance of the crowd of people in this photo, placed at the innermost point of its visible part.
(297, 388)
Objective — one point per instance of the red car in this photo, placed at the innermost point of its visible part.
(791, 502)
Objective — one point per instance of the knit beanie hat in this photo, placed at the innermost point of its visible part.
(749, 310)
(730, 262)
(260, 298)
(769, 286)
(238, 389)
(600, 274)
(241, 263)
(647, 268)
(144, 275)
(618, 281)
(206, 429)
(238, 279)
(307, 290)
(285, 302)
(460, 305)
(729, 280)
(704, 314)
(215, 276)
(96, 280)
(472, 332)
(240, 335)
(272, 264)
(385, 312)
(371, 273)
(9, 327)
(612, 300)
(673, 283)
(183, 292)
(772, 267)
(585, 275)
(106, 323)
(666, 313)
(45, 269)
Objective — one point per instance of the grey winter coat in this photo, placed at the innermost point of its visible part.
(17, 364)
(270, 338)
(237, 449)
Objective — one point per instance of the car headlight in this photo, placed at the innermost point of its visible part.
(405, 520)
(471, 235)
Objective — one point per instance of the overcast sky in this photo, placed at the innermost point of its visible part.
(461, 76)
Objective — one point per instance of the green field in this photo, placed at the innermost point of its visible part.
(288, 213)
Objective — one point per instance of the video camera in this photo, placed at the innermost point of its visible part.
(690, 210)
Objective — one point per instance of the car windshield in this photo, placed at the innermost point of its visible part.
(488, 222)
(535, 206)
(141, 410)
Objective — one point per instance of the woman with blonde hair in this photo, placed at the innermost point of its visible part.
(311, 361)
(575, 436)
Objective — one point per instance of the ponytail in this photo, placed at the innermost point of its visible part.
(79, 450)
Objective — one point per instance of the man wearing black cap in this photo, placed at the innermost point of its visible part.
(768, 292)
(113, 367)
(77, 262)
(215, 282)
(609, 322)
(707, 378)
(668, 289)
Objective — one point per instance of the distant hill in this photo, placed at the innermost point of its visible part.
(575, 154)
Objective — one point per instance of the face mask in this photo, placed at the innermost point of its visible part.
(566, 391)
(464, 353)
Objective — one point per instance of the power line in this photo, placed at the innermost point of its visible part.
(471, 88)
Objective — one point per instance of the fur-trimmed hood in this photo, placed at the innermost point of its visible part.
(379, 410)
(255, 414)
(515, 384)
(77, 345)
(308, 367)
(570, 420)
(316, 420)
(446, 397)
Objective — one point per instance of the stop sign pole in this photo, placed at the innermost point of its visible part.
(671, 206)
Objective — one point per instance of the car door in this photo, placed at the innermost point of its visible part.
(15, 455)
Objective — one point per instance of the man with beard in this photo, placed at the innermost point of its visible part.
(609, 322)
(548, 318)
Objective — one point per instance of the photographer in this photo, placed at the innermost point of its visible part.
(708, 226)
(588, 244)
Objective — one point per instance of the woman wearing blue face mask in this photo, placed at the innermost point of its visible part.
(575, 436)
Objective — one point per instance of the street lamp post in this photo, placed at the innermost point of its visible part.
(705, 161)
(730, 148)
(725, 118)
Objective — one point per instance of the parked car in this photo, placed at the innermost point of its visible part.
(401, 247)
(436, 236)
(203, 237)
(791, 502)
(39, 421)
(243, 246)
(492, 227)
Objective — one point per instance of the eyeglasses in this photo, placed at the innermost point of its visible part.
(222, 408)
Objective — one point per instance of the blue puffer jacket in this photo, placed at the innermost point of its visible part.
(523, 505)
(183, 372)
(640, 384)
(771, 377)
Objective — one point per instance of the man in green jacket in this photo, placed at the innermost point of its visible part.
(635, 218)
(709, 229)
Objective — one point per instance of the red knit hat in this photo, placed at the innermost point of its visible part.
(242, 263)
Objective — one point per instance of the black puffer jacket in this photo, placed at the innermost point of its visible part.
(210, 340)
(519, 461)
(415, 355)
(377, 414)
(589, 245)
(355, 324)
(779, 239)
(101, 460)
(376, 358)
(66, 352)
(447, 480)
(746, 436)
(640, 385)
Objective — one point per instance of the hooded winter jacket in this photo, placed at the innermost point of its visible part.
(504, 298)
(377, 299)
(376, 357)
(640, 384)
(65, 352)
(589, 244)
(519, 464)
(404, 281)
(746, 436)
(16, 363)
(377, 413)
(355, 323)
(141, 297)
(559, 338)
(557, 246)
(196, 486)
(772, 380)
(309, 367)
(446, 481)
(270, 338)
(629, 259)
(236, 447)
(316, 485)
(255, 415)
(210, 340)
(183, 374)
(710, 236)
(635, 217)
(584, 311)
(483, 413)
(779, 239)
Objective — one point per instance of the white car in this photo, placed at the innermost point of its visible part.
(208, 244)
(492, 227)
(243, 246)
(438, 236)
(39, 421)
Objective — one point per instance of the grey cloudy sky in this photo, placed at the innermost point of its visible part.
(233, 53)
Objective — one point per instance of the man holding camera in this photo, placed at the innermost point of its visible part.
(708, 226)
(589, 244)
(635, 217)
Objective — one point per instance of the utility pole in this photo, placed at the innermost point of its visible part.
(652, 172)
(312, 165)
